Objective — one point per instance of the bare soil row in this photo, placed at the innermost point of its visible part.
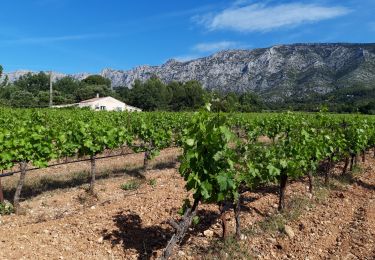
(61, 221)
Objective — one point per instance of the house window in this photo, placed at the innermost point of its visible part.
(118, 108)
(102, 107)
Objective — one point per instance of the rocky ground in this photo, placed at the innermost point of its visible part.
(60, 221)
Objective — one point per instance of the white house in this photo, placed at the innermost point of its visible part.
(103, 103)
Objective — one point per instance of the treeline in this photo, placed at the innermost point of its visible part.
(153, 94)
(32, 90)
(353, 99)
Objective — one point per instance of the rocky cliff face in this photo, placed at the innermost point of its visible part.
(13, 76)
(276, 72)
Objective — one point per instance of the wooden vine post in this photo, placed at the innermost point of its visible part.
(311, 181)
(224, 208)
(328, 170)
(352, 161)
(237, 212)
(93, 174)
(181, 229)
(345, 169)
(283, 183)
(146, 160)
(17, 194)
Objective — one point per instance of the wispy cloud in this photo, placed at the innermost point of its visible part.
(242, 2)
(54, 39)
(187, 12)
(263, 17)
(184, 58)
(206, 48)
(217, 46)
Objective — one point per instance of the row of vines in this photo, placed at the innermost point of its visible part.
(223, 154)
(39, 138)
(226, 155)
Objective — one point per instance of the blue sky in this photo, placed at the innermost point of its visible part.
(86, 36)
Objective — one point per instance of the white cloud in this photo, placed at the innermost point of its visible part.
(262, 17)
(205, 48)
(53, 39)
(217, 46)
(242, 2)
(184, 58)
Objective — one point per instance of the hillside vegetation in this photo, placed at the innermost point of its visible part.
(32, 90)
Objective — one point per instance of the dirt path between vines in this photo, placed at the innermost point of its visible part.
(66, 223)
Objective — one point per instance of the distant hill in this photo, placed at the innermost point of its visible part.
(277, 73)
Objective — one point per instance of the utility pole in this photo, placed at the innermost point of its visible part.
(50, 89)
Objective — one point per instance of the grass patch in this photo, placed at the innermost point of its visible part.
(228, 249)
(296, 206)
(321, 190)
(345, 179)
(131, 185)
(276, 222)
(105, 174)
(80, 177)
(6, 208)
(357, 169)
(340, 182)
(321, 193)
(152, 183)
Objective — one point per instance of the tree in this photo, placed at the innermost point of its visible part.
(67, 85)
(151, 95)
(178, 101)
(186, 96)
(33, 83)
(97, 80)
(22, 98)
(7, 91)
(124, 94)
(368, 108)
(90, 91)
(194, 94)
(250, 102)
(232, 102)
(43, 98)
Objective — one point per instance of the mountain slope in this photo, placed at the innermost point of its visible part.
(275, 73)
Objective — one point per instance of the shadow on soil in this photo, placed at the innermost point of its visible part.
(365, 185)
(47, 183)
(131, 234)
(206, 219)
(349, 178)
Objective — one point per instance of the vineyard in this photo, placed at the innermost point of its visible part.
(223, 156)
